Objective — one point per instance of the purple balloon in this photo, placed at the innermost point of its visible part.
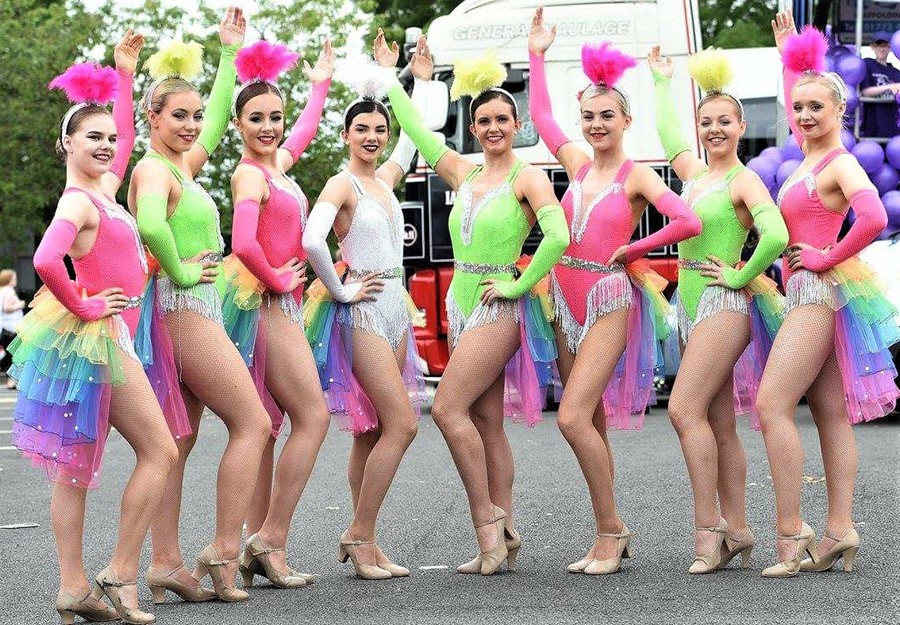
(848, 139)
(837, 51)
(852, 100)
(791, 149)
(885, 179)
(851, 68)
(891, 201)
(773, 154)
(765, 168)
(785, 170)
(895, 43)
(869, 154)
(892, 151)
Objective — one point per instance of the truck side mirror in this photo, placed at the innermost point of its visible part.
(438, 105)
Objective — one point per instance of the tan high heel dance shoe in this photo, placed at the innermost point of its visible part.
(384, 562)
(209, 563)
(110, 586)
(494, 557)
(806, 541)
(733, 547)
(69, 607)
(161, 581)
(711, 561)
(513, 544)
(254, 560)
(846, 548)
(348, 548)
(612, 565)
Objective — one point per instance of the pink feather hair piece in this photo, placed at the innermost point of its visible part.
(805, 51)
(264, 61)
(87, 82)
(603, 64)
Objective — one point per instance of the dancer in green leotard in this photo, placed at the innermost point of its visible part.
(495, 208)
(722, 309)
(179, 223)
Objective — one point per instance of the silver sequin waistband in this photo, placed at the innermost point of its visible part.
(212, 257)
(134, 302)
(688, 263)
(589, 265)
(384, 274)
(480, 268)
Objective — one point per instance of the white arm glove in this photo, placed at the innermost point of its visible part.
(318, 225)
(405, 150)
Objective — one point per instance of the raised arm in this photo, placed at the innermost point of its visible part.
(782, 28)
(126, 56)
(217, 113)
(307, 124)
(72, 213)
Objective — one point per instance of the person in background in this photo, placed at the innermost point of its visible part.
(882, 81)
(10, 313)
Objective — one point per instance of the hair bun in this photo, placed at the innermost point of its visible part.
(263, 61)
(87, 82)
(181, 59)
(711, 69)
(474, 76)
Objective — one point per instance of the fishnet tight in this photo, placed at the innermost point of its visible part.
(291, 378)
(135, 413)
(375, 456)
(701, 409)
(802, 361)
(472, 384)
(582, 421)
(213, 374)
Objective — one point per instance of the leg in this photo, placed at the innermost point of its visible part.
(477, 361)
(706, 367)
(67, 505)
(487, 415)
(594, 365)
(839, 453)
(800, 349)
(262, 494)
(732, 461)
(229, 392)
(362, 446)
(135, 413)
(292, 379)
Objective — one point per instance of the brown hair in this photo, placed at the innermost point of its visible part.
(251, 91)
(75, 122)
(6, 277)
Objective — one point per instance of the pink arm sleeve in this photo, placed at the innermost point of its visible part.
(48, 262)
(539, 102)
(871, 219)
(683, 224)
(308, 123)
(123, 115)
(247, 248)
(790, 79)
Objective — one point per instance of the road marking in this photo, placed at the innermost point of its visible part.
(434, 567)
(8, 448)
(5, 431)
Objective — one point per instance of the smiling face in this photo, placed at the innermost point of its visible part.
(179, 121)
(720, 126)
(91, 144)
(817, 107)
(603, 121)
(366, 136)
(261, 123)
(494, 125)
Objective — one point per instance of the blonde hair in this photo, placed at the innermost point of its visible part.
(160, 92)
(594, 91)
(837, 88)
(6, 276)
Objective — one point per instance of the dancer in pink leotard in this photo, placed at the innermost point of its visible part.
(833, 344)
(609, 309)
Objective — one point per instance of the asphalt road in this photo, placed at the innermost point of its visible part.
(425, 523)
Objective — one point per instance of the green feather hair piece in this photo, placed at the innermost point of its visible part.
(711, 69)
(181, 59)
(474, 76)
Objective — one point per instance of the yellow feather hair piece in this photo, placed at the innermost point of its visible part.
(711, 69)
(474, 76)
(181, 59)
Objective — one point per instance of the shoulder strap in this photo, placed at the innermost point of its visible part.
(734, 171)
(828, 158)
(265, 172)
(162, 159)
(623, 172)
(94, 200)
(514, 172)
(473, 172)
(583, 172)
(355, 183)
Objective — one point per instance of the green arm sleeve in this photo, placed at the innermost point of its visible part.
(556, 239)
(218, 107)
(773, 238)
(667, 126)
(156, 233)
(430, 144)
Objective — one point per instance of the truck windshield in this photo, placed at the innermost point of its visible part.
(458, 120)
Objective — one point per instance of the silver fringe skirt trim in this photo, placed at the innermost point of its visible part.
(124, 340)
(387, 316)
(611, 293)
(806, 287)
(202, 298)
(288, 305)
(481, 315)
(715, 299)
